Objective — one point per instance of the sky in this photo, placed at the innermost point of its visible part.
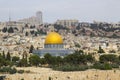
(82, 10)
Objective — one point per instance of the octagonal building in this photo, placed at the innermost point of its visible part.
(53, 45)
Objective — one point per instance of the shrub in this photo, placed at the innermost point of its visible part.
(5, 69)
(8, 70)
(22, 79)
(69, 67)
(115, 65)
(12, 71)
(50, 78)
(20, 71)
(102, 66)
(28, 71)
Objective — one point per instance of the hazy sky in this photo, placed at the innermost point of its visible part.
(83, 10)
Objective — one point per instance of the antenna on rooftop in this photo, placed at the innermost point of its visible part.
(9, 16)
(9, 22)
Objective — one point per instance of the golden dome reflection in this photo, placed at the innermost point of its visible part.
(53, 38)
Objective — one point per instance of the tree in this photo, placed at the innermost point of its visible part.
(10, 30)
(48, 58)
(4, 29)
(92, 34)
(90, 58)
(31, 49)
(52, 60)
(35, 33)
(42, 61)
(32, 32)
(108, 58)
(77, 45)
(26, 26)
(2, 61)
(112, 51)
(34, 60)
(58, 60)
(8, 57)
(25, 54)
(26, 34)
(3, 54)
(101, 50)
(32, 27)
(78, 58)
(15, 58)
(23, 62)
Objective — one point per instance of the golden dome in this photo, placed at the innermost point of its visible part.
(53, 38)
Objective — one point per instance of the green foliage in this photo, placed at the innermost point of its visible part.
(70, 67)
(36, 33)
(20, 71)
(15, 58)
(23, 62)
(10, 30)
(32, 26)
(114, 36)
(32, 32)
(34, 60)
(78, 58)
(77, 45)
(112, 51)
(13, 71)
(119, 57)
(22, 79)
(79, 52)
(101, 50)
(58, 60)
(48, 58)
(4, 29)
(50, 78)
(104, 66)
(59, 27)
(8, 57)
(53, 60)
(108, 58)
(8, 70)
(26, 34)
(5, 69)
(41, 32)
(28, 71)
(31, 49)
(2, 61)
(8, 63)
(42, 61)
(3, 54)
(92, 34)
(114, 65)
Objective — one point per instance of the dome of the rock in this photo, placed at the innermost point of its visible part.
(53, 38)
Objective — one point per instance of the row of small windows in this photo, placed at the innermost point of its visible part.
(53, 45)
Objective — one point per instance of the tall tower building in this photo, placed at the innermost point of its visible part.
(39, 17)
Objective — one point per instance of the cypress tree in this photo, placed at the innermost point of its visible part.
(3, 54)
(31, 49)
(8, 57)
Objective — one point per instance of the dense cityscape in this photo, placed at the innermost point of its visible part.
(65, 45)
(18, 36)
